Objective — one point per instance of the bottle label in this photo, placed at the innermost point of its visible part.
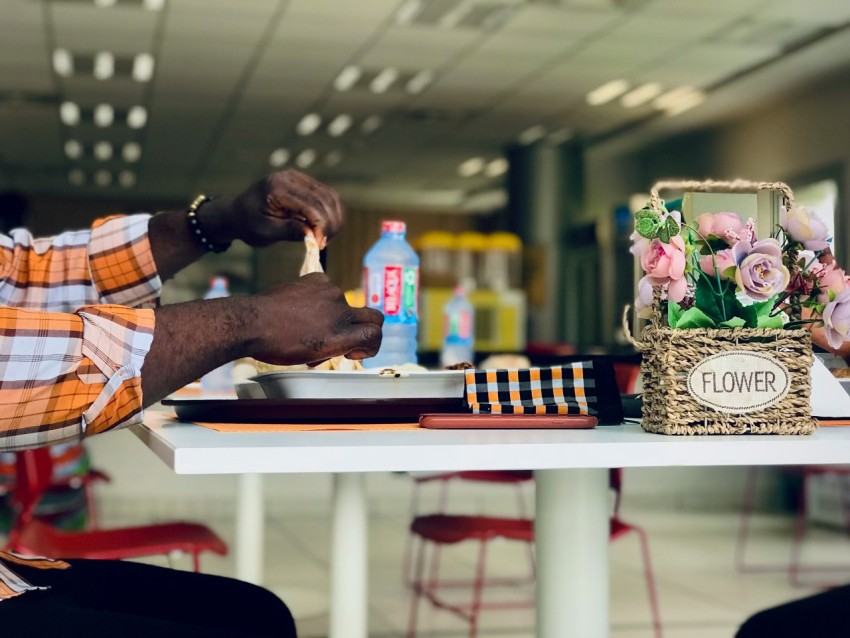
(393, 291)
(458, 325)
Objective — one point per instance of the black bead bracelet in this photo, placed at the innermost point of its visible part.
(195, 226)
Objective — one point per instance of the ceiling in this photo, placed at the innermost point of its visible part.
(232, 79)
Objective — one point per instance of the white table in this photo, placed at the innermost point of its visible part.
(571, 486)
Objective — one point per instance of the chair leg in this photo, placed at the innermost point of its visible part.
(477, 590)
(522, 510)
(650, 582)
(746, 512)
(406, 576)
(416, 589)
(799, 534)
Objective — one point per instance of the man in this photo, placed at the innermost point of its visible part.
(68, 375)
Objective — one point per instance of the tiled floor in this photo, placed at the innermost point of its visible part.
(701, 594)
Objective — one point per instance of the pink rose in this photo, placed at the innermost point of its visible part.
(665, 264)
(724, 259)
(727, 226)
(836, 319)
(761, 274)
(831, 279)
(805, 227)
(645, 293)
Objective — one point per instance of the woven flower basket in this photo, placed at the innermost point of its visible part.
(724, 380)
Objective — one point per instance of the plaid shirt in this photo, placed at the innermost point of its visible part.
(72, 350)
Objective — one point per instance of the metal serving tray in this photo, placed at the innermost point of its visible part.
(329, 384)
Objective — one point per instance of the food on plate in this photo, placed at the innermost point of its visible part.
(841, 373)
(462, 365)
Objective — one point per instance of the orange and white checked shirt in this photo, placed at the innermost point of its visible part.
(71, 346)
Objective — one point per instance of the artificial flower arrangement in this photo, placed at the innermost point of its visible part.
(714, 272)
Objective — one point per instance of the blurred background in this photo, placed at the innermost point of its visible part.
(515, 138)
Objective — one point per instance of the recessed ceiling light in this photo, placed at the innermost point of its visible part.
(532, 134)
(127, 179)
(103, 178)
(308, 124)
(560, 136)
(339, 125)
(384, 80)
(306, 158)
(607, 92)
(420, 81)
(63, 63)
(153, 5)
(278, 157)
(333, 158)
(137, 117)
(131, 152)
(76, 177)
(104, 65)
(371, 124)
(347, 78)
(103, 151)
(686, 103)
(471, 167)
(104, 115)
(73, 149)
(496, 167)
(408, 11)
(143, 65)
(663, 102)
(69, 113)
(641, 95)
(104, 4)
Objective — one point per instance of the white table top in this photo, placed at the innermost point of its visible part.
(190, 449)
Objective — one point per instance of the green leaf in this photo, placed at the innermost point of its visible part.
(708, 298)
(764, 308)
(734, 322)
(729, 273)
(647, 213)
(672, 227)
(695, 318)
(664, 234)
(748, 313)
(646, 227)
(770, 322)
(674, 312)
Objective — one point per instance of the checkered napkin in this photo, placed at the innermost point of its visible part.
(567, 389)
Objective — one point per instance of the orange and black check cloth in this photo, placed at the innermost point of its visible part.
(72, 344)
(567, 389)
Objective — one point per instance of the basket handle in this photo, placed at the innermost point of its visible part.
(734, 186)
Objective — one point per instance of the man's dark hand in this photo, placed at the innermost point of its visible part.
(309, 320)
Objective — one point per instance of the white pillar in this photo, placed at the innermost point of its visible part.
(571, 532)
(349, 555)
(250, 523)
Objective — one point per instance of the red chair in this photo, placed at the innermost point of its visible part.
(30, 535)
(444, 529)
(626, 375)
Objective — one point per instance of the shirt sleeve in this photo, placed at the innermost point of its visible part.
(111, 263)
(67, 376)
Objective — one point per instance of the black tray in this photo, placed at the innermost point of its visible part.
(310, 410)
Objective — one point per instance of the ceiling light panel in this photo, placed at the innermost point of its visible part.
(607, 92)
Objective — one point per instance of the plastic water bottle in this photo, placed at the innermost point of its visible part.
(391, 282)
(220, 379)
(458, 329)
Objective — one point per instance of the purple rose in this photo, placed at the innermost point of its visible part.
(836, 319)
(761, 274)
(806, 228)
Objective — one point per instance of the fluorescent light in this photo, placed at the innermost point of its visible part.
(641, 95)
(686, 103)
(137, 117)
(531, 135)
(76, 177)
(278, 157)
(143, 65)
(103, 151)
(104, 114)
(339, 125)
(103, 177)
(127, 179)
(471, 167)
(153, 5)
(560, 136)
(73, 149)
(63, 63)
(371, 124)
(104, 65)
(420, 81)
(384, 80)
(131, 152)
(308, 124)
(306, 158)
(670, 98)
(497, 167)
(104, 4)
(607, 92)
(69, 113)
(408, 11)
(333, 158)
(347, 78)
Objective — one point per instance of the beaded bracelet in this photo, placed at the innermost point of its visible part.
(195, 227)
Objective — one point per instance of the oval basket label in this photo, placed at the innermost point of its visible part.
(738, 381)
